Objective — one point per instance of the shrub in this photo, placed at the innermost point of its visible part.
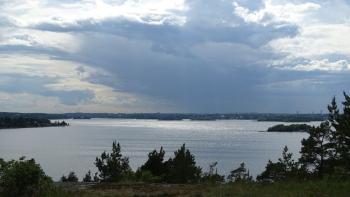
(285, 168)
(23, 178)
(212, 175)
(88, 177)
(71, 178)
(240, 174)
(147, 176)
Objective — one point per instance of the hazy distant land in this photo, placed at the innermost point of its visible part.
(178, 116)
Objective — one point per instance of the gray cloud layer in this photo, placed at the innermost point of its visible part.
(213, 56)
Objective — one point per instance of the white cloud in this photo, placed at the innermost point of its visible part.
(274, 13)
(39, 39)
(28, 102)
(26, 13)
(315, 40)
(65, 76)
(320, 44)
(324, 65)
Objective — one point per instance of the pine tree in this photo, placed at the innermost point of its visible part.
(315, 151)
(285, 168)
(182, 168)
(113, 167)
(341, 124)
(88, 177)
(155, 163)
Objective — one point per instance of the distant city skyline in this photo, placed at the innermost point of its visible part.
(187, 56)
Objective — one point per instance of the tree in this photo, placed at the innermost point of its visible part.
(88, 177)
(71, 178)
(212, 176)
(182, 168)
(240, 174)
(315, 151)
(155, 163)
(327, 149)
(113, 167)
(341, 137)
(285, 168)
(23, 178)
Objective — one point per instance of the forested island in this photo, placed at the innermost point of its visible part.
(290, 128)
(28, 122)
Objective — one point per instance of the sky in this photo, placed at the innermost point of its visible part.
(199, 56)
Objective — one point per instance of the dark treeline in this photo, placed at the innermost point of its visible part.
(178, 116)
(290, 128)
(325, 154)
(28, 122)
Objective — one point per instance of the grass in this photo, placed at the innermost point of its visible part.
(310, 188)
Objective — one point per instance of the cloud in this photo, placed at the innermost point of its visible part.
(178, 56)
(315, 41)
(31, 12)
(273, 13)
(62, 79)
(324, 65)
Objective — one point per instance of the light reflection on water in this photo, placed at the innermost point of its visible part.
(60, 150)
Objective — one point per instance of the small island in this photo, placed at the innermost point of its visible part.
(290, 128)
(28, 122)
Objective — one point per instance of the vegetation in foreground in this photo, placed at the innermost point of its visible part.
(315, 188)
(322, 170)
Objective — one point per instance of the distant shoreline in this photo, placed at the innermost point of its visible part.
(265, 117)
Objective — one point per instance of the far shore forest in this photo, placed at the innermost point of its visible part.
(324, 160)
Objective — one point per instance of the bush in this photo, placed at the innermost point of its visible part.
(240, 174)
(147, 177)
(23, 178)
(285, 168)
(71, 178)
(88, 177)
(212, 176)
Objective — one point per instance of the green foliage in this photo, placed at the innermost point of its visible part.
(182, 168)
(315, 153)
(23, 178)
(290, 128)
(285, 168)
(212, 176)
(146, 176)
(155, 163)
(25, 122)
(341, 136)
(327, 149)
(113, 167)
(154, 168)
(88, 177)
(240, 174)
(71, 178)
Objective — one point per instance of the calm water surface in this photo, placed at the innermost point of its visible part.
(74, 148)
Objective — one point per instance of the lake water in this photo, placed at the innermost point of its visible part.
(74, 148)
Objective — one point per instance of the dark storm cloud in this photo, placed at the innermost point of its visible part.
(214, 62)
